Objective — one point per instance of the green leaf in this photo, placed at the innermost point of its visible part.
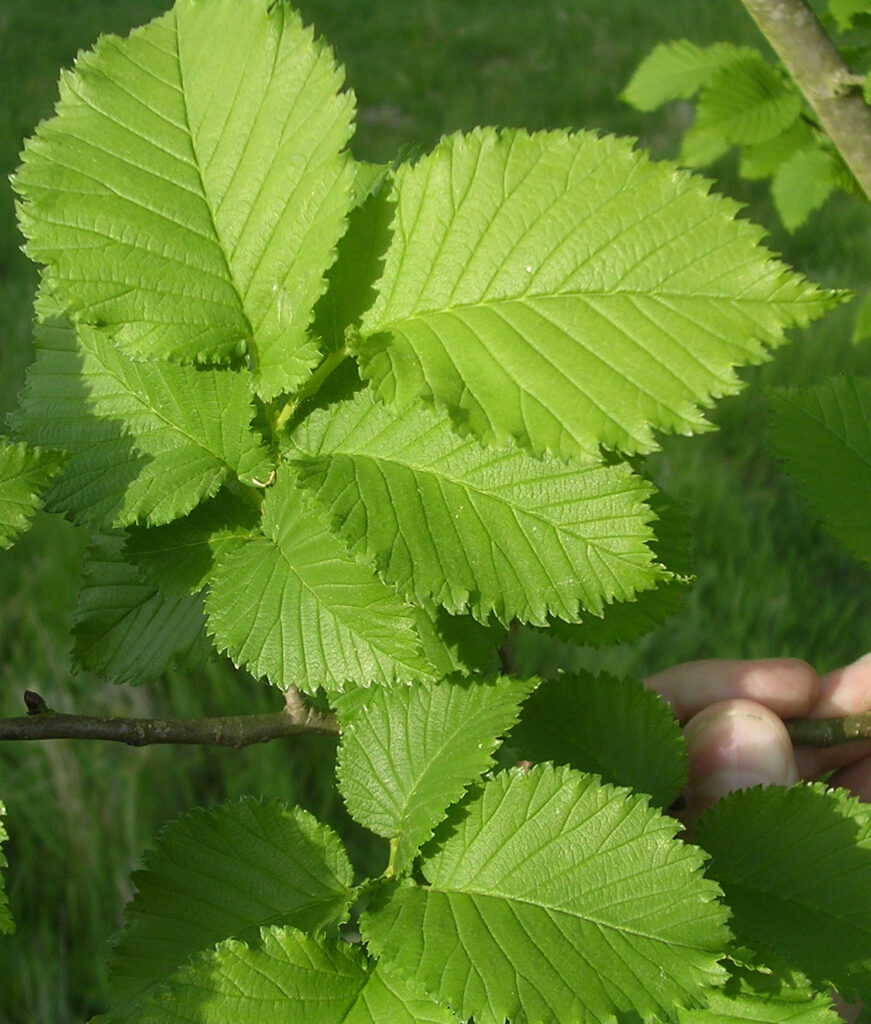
(862, 322)
(201, 160)
(294, 606)
(408, 753)
(802, 184)
(701, 146)
(844, 11)
(290, 976)
(823, 436)
(148, 440)
(748, 102)
(565, 291)
(223, 874)
(795, 865)
(614, 727)
(457, 643)
(763, 996)
(677, 70)
(552, 898)
(764, 159)
(180, 556)
(627, 620)
(352, 277)
(125, 628)
(475, 528)
(7, 925)
(24, 474)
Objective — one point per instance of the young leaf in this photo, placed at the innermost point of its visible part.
(148, 440)
(763, 996)
(552, 898)
(125, 628)
(293, 605)
(823, 436)
(491, 530)
(613, 727)
(290, 976)
(25, 473)
(763, 159)
(223, 874)
(677, 70)
(802, 184)
(795, 865)
(407, 754)
(7, 925)
(565, 291)
(748, 102)
(221, 192)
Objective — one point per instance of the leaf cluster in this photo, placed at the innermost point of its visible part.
(348, 424)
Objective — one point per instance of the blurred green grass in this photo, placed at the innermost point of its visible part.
(770, 582)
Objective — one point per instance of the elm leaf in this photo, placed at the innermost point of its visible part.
(222, 874)
(25, 473)
(190, 190)
(552, 898)
(483, 529)
(294, 606)
(294, 977)
(408, 753)
(563, 290)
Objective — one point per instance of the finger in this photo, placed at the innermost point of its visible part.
(735, 744)
(787, 686)
(856, 778)
(846, 691)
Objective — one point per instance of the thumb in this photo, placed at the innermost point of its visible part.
(735, 744)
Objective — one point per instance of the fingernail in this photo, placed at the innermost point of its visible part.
(735, 745)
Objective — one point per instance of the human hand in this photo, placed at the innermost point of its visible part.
(732, 712)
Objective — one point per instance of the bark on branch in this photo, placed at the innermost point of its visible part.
(819, 71)
(297, 718)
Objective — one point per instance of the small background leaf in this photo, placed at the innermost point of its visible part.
(408, 753)
(823, 437)
(802, 184)
(677, 70)
(220, 874)
(795, 865)
(613, 727)
(748, 102)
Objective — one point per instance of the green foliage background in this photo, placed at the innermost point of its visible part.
(770, 582)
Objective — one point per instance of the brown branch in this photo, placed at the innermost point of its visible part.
(297, 718)
(819, 71)
(829, 732)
